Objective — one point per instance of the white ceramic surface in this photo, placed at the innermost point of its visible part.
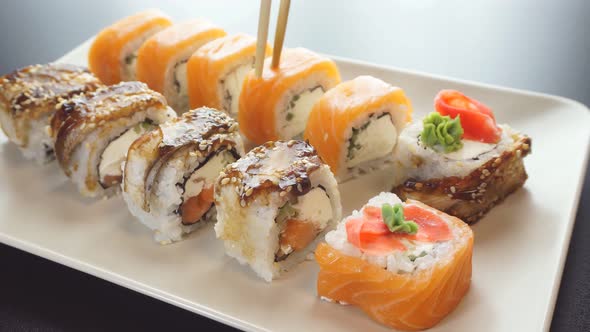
(520, 246)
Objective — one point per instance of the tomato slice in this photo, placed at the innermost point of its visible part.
(477, 120)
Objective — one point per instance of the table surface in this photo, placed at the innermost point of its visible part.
(537, 45)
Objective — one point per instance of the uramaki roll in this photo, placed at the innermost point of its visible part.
(405, 278)
(355, 125)
(170, 171)
(93, 132)
(28, 99)
(482, 165)
(274, 205)
(276, 105)
(113, 53)
(217, 70)
(162, 59)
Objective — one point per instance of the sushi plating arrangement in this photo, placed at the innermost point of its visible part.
(199, 133)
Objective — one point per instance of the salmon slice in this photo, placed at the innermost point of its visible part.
(195, 207)
(409, 302)
(298, 234)
(157, 54)
(208, 65)
(261, 96)
(332, 117)
(105, 55)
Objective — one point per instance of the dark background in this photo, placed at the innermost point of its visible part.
(536, 45)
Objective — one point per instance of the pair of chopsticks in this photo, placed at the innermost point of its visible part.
(263, 34)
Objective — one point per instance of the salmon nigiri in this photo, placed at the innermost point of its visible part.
(217, 70)
(276, 105)
(406, 265)
(354, 126)
(113, 53)
(161, 60)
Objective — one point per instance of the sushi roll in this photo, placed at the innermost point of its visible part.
(277, 105)
(113, 53)
(354, 126)
(217, 70)
(161, 60)
(93, 132)
(170, 171)
(406, 265)
(28, 98)
(274, 205)
(458, 160)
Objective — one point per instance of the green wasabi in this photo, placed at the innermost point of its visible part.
(442, 131)
(393, 217)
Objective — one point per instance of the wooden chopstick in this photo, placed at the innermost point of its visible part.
(280, 32)
(262, 35)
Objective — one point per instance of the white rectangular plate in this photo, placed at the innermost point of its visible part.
(520, 246)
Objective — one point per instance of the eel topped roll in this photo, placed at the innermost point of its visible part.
(354, 126)
(274, 205)
(276, 106)
(406, 265)
(458, 160)
(170, 171)
(162, 59)
(113, 53)
(217, 70)
(28, 99)
(93, 132)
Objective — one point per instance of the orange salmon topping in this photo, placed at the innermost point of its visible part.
(104, 57)
(371, 235)
(332, 116)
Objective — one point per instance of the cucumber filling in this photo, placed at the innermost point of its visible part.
(180, 79)
(375, 139)
(298, 111)
(231, 86)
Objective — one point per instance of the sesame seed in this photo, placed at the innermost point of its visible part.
(249, 191)
(283, 194)
(453, 189)
(289, 188)
(243, 203)
(233, 179)
(525, 146)
(418, 185)
(518, 153)
(225, 181)
(299, 187)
